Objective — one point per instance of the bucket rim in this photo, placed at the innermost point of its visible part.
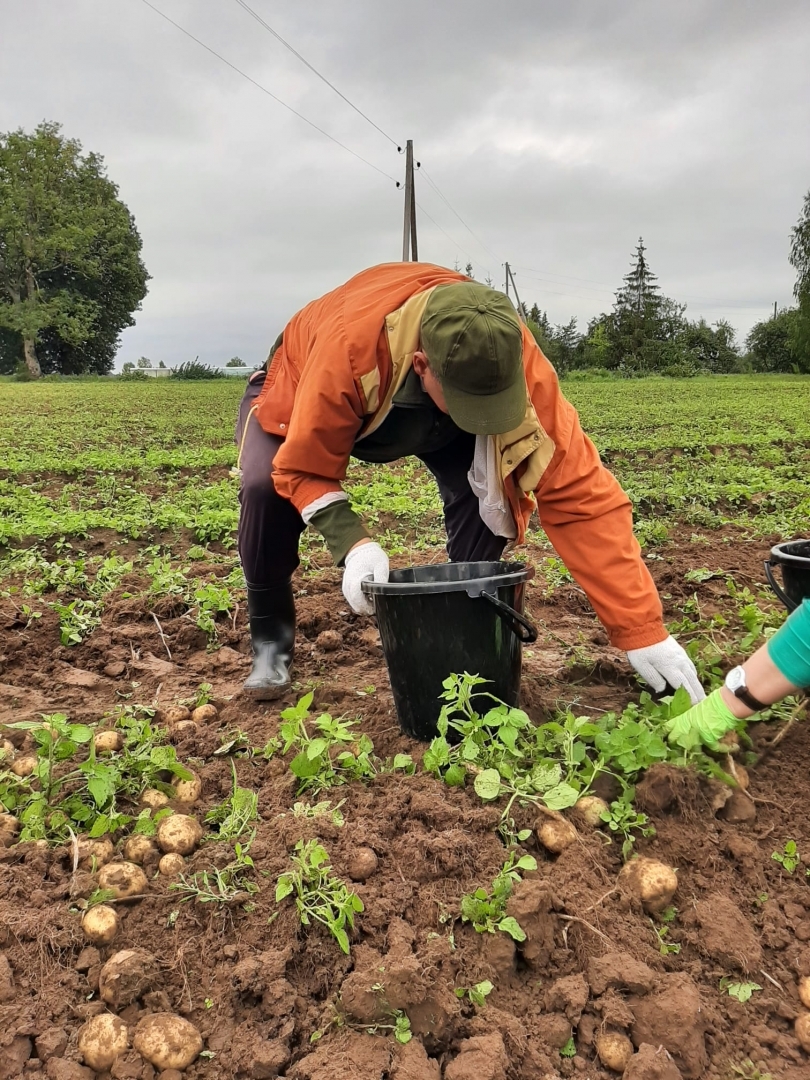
(780, 555)
(515, 574)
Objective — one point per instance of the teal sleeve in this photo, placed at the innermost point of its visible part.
(789, 648)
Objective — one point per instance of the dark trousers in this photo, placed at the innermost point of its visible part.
(270, 526)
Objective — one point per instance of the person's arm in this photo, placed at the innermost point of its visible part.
(777, 669)
(310, 466)
(588, 518)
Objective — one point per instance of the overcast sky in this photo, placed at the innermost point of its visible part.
(558, 131)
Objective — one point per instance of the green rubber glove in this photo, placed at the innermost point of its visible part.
(707, 722)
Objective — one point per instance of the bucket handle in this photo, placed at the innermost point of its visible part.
(781, 594)
(520, 626)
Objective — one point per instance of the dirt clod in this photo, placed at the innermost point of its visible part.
(620, 971)
(726, 935)
(126, 976)
(481, 1058)
(672, 1017)
(651, 1063)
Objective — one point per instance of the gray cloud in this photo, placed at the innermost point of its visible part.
(559, 131)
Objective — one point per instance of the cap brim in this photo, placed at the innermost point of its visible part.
(487, 414)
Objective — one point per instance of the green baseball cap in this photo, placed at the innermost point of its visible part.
(472, 338)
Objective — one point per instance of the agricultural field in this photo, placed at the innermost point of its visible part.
(308, 893)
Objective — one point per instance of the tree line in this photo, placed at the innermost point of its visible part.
(72, 277)
(648, 333)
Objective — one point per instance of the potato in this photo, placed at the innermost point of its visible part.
(124, 879)
(802, 1030)
(174, 714)
(100, 924)
(204, 714)
(137, 849)
(24, 765)
(740, 774)
(7, 751)
(107, 742)
(167, 1041)
(362, 864)
(188, 791)
(94, 853)
(126, 976)
(9, 829)
(171, 865)
(653, 882)
(183, 727)
(614, 1050)
(554, 831)
(101, 1040)
(154, 799)
(804, 991)
(179, 833)
(589, 809)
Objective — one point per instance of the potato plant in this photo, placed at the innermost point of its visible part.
(70, 788)
(328, 752)
(319, 895)
(486, 910)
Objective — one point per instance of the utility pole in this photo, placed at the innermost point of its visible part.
(409, 249)
(510, 277)
(774, 309)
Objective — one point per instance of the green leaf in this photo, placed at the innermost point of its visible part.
(302, 767)
(456, 776)
(488, 785)
(100, 827)
(402, 761)
(79, 733)
(316, 748)
(526, 862)
(101, 789)
(561, 797)
(342, 938)
(513, 928)
(284, 887)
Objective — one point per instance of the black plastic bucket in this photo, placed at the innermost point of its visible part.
(445, 619)
(794, 559)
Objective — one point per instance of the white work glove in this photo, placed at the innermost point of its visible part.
(667, 663)
(363, 561)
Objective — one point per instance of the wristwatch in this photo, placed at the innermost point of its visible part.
(735, 682)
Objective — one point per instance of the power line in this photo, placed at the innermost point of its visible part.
(269, 93)
(246, 7)
(435, 187)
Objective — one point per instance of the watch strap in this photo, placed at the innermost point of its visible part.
(747, 698)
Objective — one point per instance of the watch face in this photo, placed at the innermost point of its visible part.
(735, 680)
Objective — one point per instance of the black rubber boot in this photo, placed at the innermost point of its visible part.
(272, 635)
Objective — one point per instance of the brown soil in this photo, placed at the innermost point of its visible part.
(257, 986)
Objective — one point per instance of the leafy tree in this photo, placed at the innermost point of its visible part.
(144, 362)
(162, 365)
(127, 367)
(800, 261)
(468, 270)
(773, 344)
(71, 274)
(235, 361)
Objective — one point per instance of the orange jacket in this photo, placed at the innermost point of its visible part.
(313, 397)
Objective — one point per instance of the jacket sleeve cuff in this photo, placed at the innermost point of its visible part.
(638, 637)
(340, 527)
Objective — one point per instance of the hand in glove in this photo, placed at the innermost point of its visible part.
(667, 663)
(706, 722)
(363, 561)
